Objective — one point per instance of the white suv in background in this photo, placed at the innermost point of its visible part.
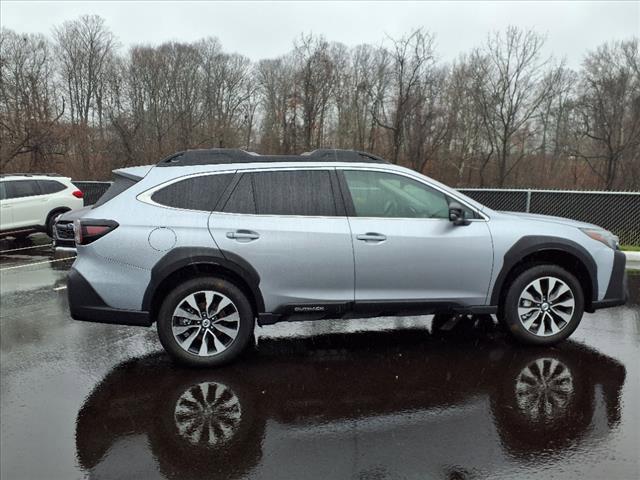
(31, 202)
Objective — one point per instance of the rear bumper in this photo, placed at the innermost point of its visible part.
(86, 305)
(618, 289)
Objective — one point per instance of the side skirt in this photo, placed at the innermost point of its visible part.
(347, 310)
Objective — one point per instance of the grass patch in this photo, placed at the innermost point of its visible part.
(630, 248)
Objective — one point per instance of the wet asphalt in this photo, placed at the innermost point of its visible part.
(349, 399)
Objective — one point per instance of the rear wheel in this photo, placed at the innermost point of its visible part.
(205, 322)
(543, 305)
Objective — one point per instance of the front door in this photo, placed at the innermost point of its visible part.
(405, 247)
(26, 203)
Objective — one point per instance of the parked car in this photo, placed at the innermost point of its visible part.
(209, 241)
(63, 236)
(31, 202)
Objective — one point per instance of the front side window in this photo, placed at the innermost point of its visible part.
(386, 195)
(195, 193)
(287, 192)
(22, 188)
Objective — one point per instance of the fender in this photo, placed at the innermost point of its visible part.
(185, 256)
(540, 243)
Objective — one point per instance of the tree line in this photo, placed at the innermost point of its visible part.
(502, 114)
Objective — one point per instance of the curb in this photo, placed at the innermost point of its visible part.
(633, 260)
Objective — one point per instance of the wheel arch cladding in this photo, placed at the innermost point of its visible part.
(187, 262)
(559, 251)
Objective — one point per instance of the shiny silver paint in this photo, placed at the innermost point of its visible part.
(319, 259)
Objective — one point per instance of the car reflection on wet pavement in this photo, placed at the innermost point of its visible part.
(380, 398)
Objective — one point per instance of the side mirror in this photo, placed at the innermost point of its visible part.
(457, 214)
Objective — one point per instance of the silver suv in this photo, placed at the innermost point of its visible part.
(207, 242)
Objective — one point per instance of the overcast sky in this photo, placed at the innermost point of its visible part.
(267, 29)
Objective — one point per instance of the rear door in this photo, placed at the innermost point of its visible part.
(406, 249)
(290, 226)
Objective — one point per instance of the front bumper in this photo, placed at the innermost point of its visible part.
(85, 304)
(618, 289)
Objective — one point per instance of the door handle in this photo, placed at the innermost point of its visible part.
(246, 235)
(371, 237)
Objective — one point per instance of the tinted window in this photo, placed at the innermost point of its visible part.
(196, 193)
(298, 192)
(22, 188)
(3, 192)
(50, 186)
(241, 200)
(378, 194)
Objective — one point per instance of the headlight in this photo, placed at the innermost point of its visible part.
(603, 236)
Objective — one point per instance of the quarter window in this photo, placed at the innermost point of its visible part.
(50, 186)
(195, 193)
(380, 194)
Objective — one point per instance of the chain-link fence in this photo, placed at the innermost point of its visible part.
(615, 211)
(618, 212)
(92, 190)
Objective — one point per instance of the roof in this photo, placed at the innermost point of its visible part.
(217, 156)
(30, 175)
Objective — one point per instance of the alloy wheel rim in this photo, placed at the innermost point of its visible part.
(205, 323)
(546, 306)
(208, 413)
(544, 390)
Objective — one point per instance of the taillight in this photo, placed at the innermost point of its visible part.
(77, 193)
(89, 230)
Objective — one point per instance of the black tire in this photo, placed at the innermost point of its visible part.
(509, 309)
(233, 350)
(51, 221)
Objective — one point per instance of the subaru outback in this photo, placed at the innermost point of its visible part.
(208, 242)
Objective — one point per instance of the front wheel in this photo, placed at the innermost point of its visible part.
(543, 305)
(205, 322)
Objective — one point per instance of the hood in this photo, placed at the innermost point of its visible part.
(71, 215)
(551, 219)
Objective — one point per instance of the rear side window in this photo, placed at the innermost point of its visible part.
(119, 185)
(296, 192)
(3, 191)
(196, 193)
(22, 188)
(242, 198)
(50, 186)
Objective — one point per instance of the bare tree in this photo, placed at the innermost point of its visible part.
(512, 84)
(608, 131)
(412, 56)
(29, 112)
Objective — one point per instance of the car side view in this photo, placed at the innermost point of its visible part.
(32, 202)
(208, 242)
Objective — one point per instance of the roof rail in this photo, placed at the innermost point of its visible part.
(32, 174)
(216, 156)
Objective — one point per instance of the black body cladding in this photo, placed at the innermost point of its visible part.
(534, 244)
